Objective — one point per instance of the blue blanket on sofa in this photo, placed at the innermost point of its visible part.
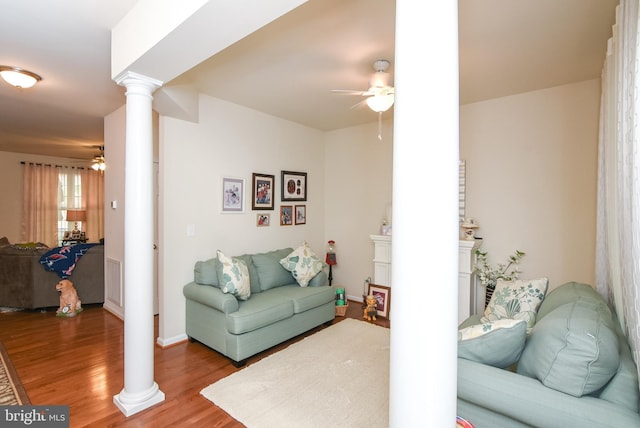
(62, 260)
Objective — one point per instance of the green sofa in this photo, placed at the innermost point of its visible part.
(277, 310)
(575, 370)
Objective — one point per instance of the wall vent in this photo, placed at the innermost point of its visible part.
(114, 281)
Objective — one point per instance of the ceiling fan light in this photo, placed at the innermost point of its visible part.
(18, 77)
(380, 103)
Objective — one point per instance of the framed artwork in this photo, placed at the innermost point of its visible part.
(294, 186)
(262, 198)
(286, 215)
(383, 296)
(232, 195)
(301, 214)
(263, 220)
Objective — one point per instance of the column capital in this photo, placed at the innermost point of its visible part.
(131, 78)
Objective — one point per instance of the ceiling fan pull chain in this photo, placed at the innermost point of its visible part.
(380, 125)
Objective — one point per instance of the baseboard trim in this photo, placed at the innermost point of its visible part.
(171, 341)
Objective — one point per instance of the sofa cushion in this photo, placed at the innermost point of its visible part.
(206, 272)
(260, 310)
(517, 299)
(234, 276)
(303, 264)
(268, 267)
(573, 349)
(496, 343)
(305, 298)
(567, 293)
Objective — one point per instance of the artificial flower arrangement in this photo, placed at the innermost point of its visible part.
(489, 275)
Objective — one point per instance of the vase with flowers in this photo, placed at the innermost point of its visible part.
(489, 274)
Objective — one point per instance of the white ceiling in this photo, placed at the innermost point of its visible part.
(287, 68)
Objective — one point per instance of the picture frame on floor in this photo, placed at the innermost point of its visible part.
(383, 296)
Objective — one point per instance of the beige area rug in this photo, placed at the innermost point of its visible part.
(337, 377)
(11, 391)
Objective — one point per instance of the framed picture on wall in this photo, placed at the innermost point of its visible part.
(263, 219)
(262, 195)
(286, 215)
(232, 195)
(294, 186)
(301, 214)
(383, 296)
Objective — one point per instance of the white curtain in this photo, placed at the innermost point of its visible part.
(40, 204)
(618, 219)
(93, 200)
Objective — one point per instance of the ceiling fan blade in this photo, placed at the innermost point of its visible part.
(350, 92)
(358, 104)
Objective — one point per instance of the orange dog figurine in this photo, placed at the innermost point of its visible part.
(370, 311)
(70, 305)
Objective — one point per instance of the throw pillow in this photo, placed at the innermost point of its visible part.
(518, 300)
(303, 264)
(496, 343)
(573, 349)
(235, 277)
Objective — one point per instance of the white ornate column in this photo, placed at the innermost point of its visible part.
(140, 390)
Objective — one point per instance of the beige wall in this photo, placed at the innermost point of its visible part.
(358, 176)
(531, 178)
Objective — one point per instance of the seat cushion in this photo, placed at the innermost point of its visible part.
(260, 310)
(305, 298)
(573, 349)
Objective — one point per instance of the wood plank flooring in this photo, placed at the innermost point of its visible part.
(79, 362)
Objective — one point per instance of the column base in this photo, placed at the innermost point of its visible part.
(130, 404)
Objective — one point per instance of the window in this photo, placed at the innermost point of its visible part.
(69, 198)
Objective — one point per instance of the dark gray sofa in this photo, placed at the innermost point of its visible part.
(24, 283)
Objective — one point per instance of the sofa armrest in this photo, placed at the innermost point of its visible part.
(527, 400)
(211, 296)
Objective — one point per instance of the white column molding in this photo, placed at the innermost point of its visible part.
(140, 390)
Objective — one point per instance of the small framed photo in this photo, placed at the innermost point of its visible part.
(263, 219)
(301, 214)
(383, 296)
(262, 197)
(294, 186)
(286, 215)
(232, 195)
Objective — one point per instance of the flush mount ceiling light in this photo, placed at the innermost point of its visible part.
(18, 77)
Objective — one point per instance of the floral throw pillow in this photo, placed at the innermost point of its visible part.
(517, 300)
(303, 264)
(235, 277)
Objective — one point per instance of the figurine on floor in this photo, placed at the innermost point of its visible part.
(370, 312)
(70, 305)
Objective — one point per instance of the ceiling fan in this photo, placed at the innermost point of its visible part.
(380, 96)
(97, 163)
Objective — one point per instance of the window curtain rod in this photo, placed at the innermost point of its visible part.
(55, 166)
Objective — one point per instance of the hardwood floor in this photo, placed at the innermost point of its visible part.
(79, 362)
